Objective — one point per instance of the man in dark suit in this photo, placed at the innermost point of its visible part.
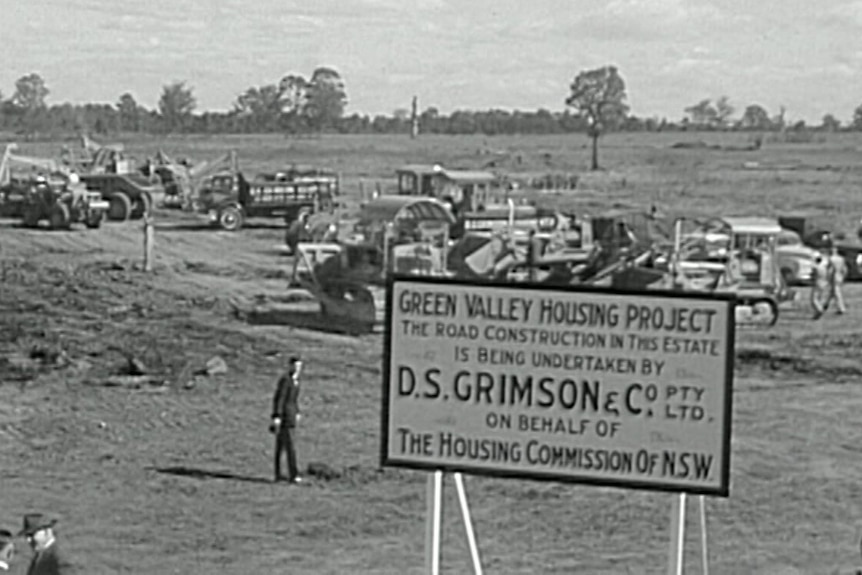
(285, 415)
(47, 559)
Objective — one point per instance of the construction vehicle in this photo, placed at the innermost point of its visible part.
(392, 234)
(735, 255)
(463, 190)
(229, 199)
(181, 179)
(62, 202)
(15, 187)
(413, 234)
(106, 169)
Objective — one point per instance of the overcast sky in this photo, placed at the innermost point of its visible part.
(452, 54)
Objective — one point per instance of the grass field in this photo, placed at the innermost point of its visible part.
(170, 474)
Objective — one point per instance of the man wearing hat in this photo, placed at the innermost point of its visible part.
(47, 559)
(7, 550)
(285, 414)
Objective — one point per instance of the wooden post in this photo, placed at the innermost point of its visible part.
(148, 243)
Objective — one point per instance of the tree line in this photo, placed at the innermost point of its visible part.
(317, 104)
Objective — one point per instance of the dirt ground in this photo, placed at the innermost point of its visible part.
(169, 471)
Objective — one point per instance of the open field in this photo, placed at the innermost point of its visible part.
(172, 475)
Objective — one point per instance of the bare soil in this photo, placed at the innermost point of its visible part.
(168, 471)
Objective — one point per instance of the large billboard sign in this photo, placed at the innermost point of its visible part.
(581, 385)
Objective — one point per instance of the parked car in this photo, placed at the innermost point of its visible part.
(851, 252)
(795, 259)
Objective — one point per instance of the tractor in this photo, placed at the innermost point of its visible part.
(62, 203)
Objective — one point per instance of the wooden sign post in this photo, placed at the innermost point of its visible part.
(148, 242)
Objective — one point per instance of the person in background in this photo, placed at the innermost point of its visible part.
(76, 188)
(299, 231)
(819, 284)
(285, 415)
(47, 559)
(837, 272)
(7, 550)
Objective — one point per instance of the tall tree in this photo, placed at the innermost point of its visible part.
(703, 114)
(176, 105)
(325, 99)
(830, 123)
(294, 94)
(598, 96)
(857, 118)
(28, 102)
(262, 107)
(129, 112)
(755, 117)
(723, 112)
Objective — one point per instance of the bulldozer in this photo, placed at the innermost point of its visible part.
(62, 202)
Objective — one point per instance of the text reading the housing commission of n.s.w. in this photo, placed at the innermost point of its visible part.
(591, 383)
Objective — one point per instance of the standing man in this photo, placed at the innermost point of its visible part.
(819, 284)
(836, 274)
(7, 550)
(285, 415)
(47, 559)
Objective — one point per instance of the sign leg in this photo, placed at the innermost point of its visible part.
(703, 545)
(434, 519)
(677, 535)
(468, 524)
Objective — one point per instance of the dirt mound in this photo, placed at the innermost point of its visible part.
(770, 360)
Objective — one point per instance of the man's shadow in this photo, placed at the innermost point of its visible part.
(204, 474)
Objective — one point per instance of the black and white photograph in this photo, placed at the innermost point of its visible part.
(431, 287)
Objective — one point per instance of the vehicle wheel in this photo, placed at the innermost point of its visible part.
(121, 207)
(142, 206)
(230, 219)
(60, 217)
(764, 312)
(31, 216)
(94, 219)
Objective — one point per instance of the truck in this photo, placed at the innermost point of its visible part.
(229, 199)
(130, 195)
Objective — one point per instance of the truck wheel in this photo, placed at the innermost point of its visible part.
(31, 216)
(60, 217)
(121, 207)
(230, 219)
(94, 219)
(142, 206)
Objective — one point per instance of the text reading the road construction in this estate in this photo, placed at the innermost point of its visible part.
(556, 322)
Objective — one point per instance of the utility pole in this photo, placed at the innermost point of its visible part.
(414, 119)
